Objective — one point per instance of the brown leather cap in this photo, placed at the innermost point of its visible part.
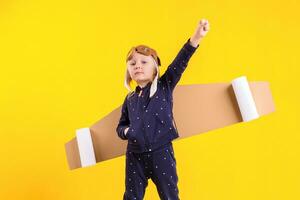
(145, 50)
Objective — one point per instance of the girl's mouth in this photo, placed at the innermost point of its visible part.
(136, 73)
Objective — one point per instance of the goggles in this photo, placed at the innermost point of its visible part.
(145, 50)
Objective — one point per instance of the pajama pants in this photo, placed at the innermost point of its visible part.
(159, 165)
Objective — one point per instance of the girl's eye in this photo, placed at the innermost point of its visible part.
(131, 63)
(144, 62)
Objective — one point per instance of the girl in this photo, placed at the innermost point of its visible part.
(147, 120)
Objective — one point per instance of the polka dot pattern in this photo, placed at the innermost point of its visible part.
(159, 166)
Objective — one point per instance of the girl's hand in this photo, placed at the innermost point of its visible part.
(126, 130)
(200, 32)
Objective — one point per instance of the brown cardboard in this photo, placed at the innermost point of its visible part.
(197, 109)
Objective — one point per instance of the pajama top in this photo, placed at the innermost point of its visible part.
(150, 120)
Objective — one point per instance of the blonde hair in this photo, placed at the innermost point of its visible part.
(153, 87)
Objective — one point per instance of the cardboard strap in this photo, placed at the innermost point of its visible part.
(197, 109)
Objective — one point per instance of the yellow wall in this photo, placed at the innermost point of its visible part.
(62, 68)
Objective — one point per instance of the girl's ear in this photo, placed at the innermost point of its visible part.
(154, 73)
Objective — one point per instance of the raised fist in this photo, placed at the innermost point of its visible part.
(201, 30)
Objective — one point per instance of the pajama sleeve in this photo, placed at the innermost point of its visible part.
(123, 121)
(174, 71)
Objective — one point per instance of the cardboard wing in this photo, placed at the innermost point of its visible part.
(197, 109)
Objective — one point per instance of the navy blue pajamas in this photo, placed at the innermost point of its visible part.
(159, 165)
(151, 132)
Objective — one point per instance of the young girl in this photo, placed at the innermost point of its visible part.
(147, 119)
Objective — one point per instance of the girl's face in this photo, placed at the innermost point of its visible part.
(141, 68)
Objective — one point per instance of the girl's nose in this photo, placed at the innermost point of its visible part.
(137, 67)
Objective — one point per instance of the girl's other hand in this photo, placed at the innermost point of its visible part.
(126, 130)
(201, 30)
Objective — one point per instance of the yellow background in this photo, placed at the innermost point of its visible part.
(62, 68)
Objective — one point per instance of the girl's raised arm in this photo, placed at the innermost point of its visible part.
(174, 71)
